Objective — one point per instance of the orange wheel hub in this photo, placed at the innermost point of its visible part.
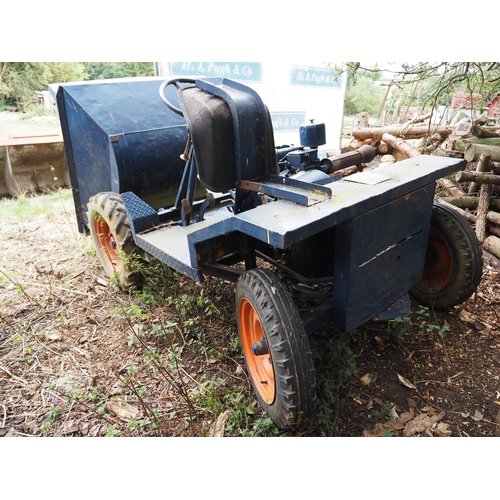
(260, 366)
(438, 267)
(107, 244)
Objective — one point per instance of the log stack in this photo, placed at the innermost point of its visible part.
(487, 209)
(474, 192)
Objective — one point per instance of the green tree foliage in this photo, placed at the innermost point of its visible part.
(363, 91)
(438, 81)
(104, 70)
(354, 76)
(364, 95)
(18, 80)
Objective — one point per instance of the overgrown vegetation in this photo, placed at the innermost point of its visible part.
(443, 78)
(19, 80)
(364, 93)
(182, 372)
(430, 84)
(422, 319)
(103, 70)
(335, 359)
(79, 357)
(181, 341)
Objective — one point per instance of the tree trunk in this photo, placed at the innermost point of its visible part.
(453, 189)
(400, 145)
(466, 215)
(479, 177)
(421, 118)
(494, 168)
(491, 261)
(362, 119)
(493, 217)
(487, 244)
(433, 143)
(383, 148)
(492, 245)
(472, 152)
(485, 132)
(412, 132)
(461, 144)
(495, 230)
(355, 144)
(469, 201)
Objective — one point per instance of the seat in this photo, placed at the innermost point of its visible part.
(231, 131)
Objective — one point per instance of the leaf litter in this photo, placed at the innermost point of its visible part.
(64, 356)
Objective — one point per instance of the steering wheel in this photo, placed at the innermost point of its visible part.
(177, 83)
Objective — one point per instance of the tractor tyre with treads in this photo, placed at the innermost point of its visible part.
(276, 348)
(454, 261)
(112, 237)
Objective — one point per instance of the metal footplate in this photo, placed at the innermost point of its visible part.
(141, 216)
(171, 242)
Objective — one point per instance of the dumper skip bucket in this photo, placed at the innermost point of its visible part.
(119, 136)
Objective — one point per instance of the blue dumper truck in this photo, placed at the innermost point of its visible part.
(187, 171)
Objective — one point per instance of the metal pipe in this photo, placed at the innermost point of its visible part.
(364, 154)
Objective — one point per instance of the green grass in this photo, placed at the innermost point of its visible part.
(36, 110)
(36, 120)
(27, 206)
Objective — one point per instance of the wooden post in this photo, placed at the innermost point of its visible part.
(482, 210)
(484, 202)
(362, 120)
(482, 166)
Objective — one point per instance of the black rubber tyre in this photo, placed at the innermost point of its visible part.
(112, 237)
(284, 378)
(454, 262)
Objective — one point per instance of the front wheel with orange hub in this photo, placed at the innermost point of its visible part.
(453, 264)
(112, 238)
(276, 348)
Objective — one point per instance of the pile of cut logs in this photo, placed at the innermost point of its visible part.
(474, 192)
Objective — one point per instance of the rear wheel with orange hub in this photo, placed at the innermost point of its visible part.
(276, 348)
(112, 237)
(453, 263)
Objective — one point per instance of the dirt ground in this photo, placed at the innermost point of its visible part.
(81, 358)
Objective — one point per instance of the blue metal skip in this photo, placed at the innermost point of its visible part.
(119, 136)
